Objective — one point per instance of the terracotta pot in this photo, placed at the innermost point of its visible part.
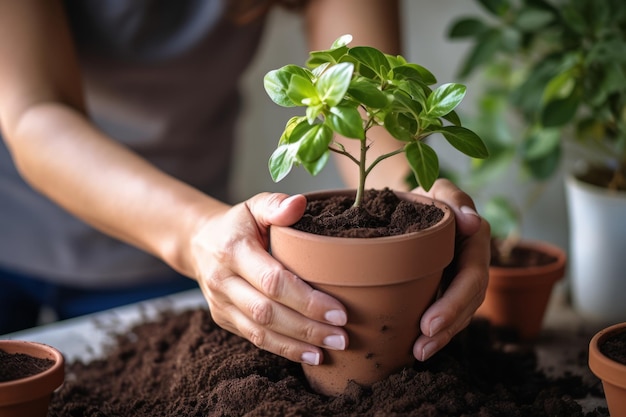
(385, 283)
(612, 373)
(517, 297)
(30, 396)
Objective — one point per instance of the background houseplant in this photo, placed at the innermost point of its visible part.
(562, 67)
(347, 91)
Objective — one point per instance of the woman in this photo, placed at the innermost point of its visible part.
(118, 122)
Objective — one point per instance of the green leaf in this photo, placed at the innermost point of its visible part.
(367, 93)
(541, 153)
(302, 92)
(281, 161)
(346, 120)
(341, 41)
(291, 124)
(372, 58)
(560, 111)
(541, 143)
(497, 7)
(467, 27)
(533, 19)
(319, 58)
(424, 163)
(445, 99)
(414, 72)
(314, 143)
(465, 141)
(333, 84)
(561, 85)
(315, 167)
(398, 127)
(276, 83)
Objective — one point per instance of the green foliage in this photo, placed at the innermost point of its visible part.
(553, 70)
(562, 70)
(347, 91)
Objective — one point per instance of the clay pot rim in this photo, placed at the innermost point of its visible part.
(35, 386)
(551, 272)
(602, 366)
(448, 217)
(596, 190)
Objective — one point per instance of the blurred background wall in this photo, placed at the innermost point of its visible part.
(425, 26)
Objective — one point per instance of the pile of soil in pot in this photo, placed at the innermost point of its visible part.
(614, 347)
(20, 365)
(382, 213)
(183, 364)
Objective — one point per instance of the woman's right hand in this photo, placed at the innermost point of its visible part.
(251, 294)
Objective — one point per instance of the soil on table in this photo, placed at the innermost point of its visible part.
(614, 347)
(20, 365)
(381, 213)
(183, 364)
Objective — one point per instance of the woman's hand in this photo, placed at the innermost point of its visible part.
(252, 295)
(454, 310)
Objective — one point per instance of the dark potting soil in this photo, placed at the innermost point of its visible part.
(183, 364)
(382, 213)
(519, 257)
(614, 347)
(19, 365)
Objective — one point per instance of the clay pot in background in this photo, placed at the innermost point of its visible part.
(30, 396)
(611, 372)
(517, 297)
(386, 284)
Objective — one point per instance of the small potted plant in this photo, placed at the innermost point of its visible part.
(567, 84)
(607, 360)
(29, 373)
(385, 282)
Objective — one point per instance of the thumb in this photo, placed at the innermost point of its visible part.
(276, 208)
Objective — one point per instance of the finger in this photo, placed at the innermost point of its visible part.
(270, 278)
(266, 318)
(276, 208)
(467, 219)
(453, 311)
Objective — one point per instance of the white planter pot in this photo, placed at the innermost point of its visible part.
(597, 222)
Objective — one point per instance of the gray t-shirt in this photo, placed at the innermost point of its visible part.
(160, 76)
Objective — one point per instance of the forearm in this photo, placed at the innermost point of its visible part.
(62, 155)
(373, 23)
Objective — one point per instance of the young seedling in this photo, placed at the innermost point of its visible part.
(347, 91)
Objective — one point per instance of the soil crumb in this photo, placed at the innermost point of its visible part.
(183, 364)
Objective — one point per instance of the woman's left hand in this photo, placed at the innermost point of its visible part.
(454, 310)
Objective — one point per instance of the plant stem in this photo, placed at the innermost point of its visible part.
(362, 175)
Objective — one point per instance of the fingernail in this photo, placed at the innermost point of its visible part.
(428, 350)
(334, 341)
(289, 199)
(435, 326)
(468, 210)
(311, 358)
(336, 317)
